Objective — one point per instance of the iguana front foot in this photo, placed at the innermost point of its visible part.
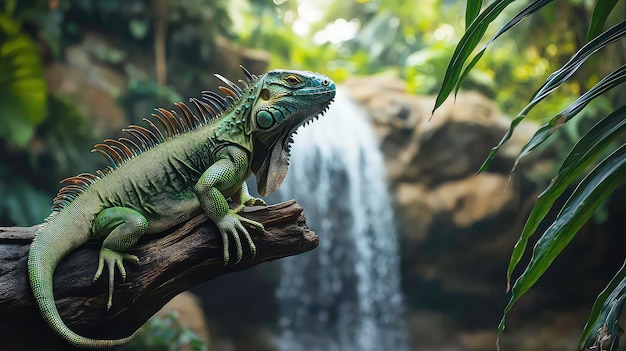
(113, 259)
(230, 224)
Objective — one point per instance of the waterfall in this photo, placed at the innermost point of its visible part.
(345, 295)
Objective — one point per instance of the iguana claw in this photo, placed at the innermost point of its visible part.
(231, 224)
(113, 259)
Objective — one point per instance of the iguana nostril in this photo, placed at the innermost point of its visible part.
(325, 82)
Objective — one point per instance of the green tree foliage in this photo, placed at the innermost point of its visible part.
(22, 87)
(166, 334)
(602, 329)
(412, 40)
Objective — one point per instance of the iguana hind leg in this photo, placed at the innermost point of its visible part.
(120, 227)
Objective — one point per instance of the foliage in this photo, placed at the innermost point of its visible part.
(22, 87)
(166, 334)
(59, 144)
(409, 39)
(602, 326)
(20, 201)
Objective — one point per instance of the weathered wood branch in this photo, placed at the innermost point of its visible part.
(170, 263)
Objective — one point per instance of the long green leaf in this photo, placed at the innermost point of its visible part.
(581, 155)
(603, 318)
(528, 10)
(472, 9)
(466, 45)
(611, 81)
(598, 18)
(557, 78)
(589, 194)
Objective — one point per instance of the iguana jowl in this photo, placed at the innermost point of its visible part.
(162, 176)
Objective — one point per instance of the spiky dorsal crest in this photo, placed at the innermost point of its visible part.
(163, 125)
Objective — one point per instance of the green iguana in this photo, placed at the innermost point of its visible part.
(162, 176)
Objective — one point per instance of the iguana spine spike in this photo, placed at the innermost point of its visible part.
(217, 98)
(134, 148)
(156, 129)
(120, 152)
(127, 152)
(214, 106)
(112, 152)
(171, 127)
(188, 114)
(107, 156)
(249, 77)
(232, 85)
(152, 139)
(229, 100)
(167, 127)
(186, 124)
(182, 122)
(82, 178)
(206, 113)
(229, 92)
(177, 127)
(140, 137)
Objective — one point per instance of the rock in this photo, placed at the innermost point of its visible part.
(465, 202)
(482, 340)
(432, 331)
(450, 145)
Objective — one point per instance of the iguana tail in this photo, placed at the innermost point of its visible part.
(48, 248)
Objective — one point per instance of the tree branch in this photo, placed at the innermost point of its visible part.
(170, 263)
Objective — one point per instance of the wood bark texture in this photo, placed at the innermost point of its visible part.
(170, 263)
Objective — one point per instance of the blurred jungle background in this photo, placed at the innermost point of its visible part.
(414, 244)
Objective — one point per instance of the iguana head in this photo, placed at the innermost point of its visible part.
(287, 100)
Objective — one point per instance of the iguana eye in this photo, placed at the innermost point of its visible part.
(293, 79)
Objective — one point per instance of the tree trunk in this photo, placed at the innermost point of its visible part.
(170, 263)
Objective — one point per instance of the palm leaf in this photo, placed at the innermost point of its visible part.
(581, 155)
(598, 18)
(466, 45)
(472, 10)
(603, 319)
(531, 8)
(557, 78)
(611, 81)
(589, 194)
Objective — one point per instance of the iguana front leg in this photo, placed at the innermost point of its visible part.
(228, 171)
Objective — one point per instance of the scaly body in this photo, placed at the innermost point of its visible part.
(164, 175)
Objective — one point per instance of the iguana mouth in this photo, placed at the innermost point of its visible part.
(275, 158)
(287, 138)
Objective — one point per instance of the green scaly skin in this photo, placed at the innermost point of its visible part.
(182, 169)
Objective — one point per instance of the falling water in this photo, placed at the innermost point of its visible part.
(345, 295)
